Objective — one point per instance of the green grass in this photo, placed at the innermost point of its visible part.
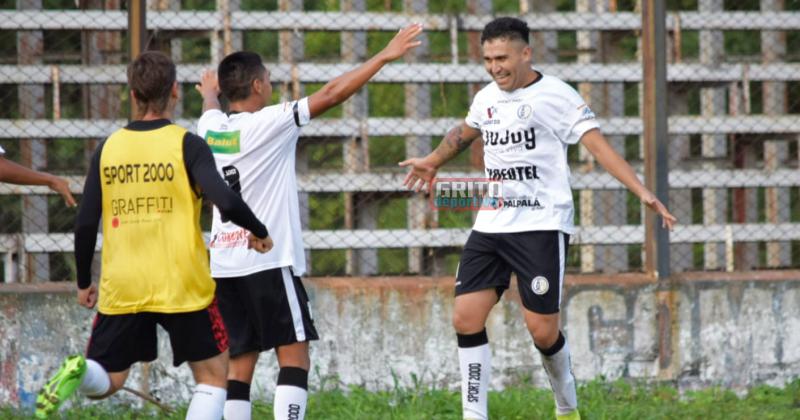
(599, 400)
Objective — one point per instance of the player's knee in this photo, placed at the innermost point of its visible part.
(543, 335)
(466, 324)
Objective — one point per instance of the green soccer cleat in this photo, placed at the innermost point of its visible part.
(61, 386)
(572, 415)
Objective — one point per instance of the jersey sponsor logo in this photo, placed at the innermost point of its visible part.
(237, 238)
(522, 202)
(474, 382)
(466, 194)
(526, 137)
(515, 173)
(540, 285)
(138, 172)
(141, 205)
(225, 142)
(524, 112)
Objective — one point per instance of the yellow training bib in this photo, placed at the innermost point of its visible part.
(154, 256)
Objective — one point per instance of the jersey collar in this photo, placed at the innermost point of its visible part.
(140, 125)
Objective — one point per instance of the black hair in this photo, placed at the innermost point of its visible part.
(236, 73)
(506, 27)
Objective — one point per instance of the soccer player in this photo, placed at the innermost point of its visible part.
(13, 173)
(145, 180)
(527, 120)
(262, 300)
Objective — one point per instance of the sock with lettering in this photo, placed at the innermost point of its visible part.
(291, 394)
(207, 403)
(475, 360)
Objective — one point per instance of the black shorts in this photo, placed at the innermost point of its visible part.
(265, 310)
(118, 341)
(536, 257)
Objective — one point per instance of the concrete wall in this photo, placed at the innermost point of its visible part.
(734, 330)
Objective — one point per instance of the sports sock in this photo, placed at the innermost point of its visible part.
(95, 381)
(556, 362)
(475, 361)
(291, 394)
(207, 403)
(237, 406)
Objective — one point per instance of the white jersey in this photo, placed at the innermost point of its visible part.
(525, 138)
(2, 152)
(255, 153)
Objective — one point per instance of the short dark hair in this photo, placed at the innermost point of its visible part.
(506, 27)
(151, 77)
(236, 73)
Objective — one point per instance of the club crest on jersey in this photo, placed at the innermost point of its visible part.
(491, 112)
(540, 285)
(524, 111)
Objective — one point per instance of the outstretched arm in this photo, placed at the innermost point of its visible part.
(209, 90)
(14, 173)
(423, 170)
(339, 89)
(609, 159)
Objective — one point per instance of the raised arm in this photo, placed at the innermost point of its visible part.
(14, 173)
(611, 161)
(423, 170)
(339, 89)
(209, 90)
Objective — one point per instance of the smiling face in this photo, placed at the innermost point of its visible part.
(508, 61)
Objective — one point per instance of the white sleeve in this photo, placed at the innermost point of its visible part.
(206, 121)
(475, 114)
(2, 152)
(577, 118)
(300, 112)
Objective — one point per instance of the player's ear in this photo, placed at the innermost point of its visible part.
(174, 90)
(256, 86)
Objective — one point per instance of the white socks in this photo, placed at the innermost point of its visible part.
(556, 362)
(237, 410)
(475, 361)
(238, 406)
(207, 403)
(95, 382)
(291, 394)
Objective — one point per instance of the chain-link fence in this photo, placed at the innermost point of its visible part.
(734, 96)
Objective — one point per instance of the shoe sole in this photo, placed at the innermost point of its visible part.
(70, 369)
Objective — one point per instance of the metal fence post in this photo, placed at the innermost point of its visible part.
(654, 116)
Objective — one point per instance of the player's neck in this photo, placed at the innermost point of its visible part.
(251, 104)
(152, 116)
(531, 77)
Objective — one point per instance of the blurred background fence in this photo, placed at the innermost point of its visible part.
(733, 94)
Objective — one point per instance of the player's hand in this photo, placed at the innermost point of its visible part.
(61, 186)
(259, 245)
(421, 173)
(87, 297)
(667, 219)
(208, 86)
(405, 40)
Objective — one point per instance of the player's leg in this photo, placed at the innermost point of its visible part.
(539, 260)
(201, 339)
(480, 280)
(291, 394)
(289, 331)
(235, 304)
(117, 341)
(240, 375)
